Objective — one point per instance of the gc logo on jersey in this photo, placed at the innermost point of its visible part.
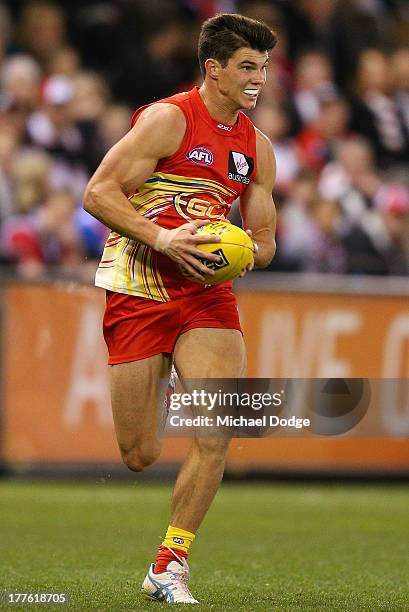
(201, 156)
(240, 167)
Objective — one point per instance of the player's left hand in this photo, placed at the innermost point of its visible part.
(250, 266)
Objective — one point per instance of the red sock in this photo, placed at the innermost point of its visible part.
(165, 556)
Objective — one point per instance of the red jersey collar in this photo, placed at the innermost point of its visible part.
(223, 129)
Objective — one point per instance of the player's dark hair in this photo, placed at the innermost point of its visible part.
(223, 34)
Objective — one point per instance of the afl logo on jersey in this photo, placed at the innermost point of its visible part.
(201, 156)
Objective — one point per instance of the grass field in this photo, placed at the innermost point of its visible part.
(262, 547)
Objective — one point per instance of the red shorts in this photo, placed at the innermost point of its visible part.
(136, 328)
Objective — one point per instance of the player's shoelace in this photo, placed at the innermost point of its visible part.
(181, 577)
(181, 584)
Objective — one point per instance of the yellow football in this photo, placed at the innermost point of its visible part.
(235, 250)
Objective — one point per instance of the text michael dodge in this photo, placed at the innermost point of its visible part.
(240, 421)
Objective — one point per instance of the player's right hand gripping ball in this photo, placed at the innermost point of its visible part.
(235, 250)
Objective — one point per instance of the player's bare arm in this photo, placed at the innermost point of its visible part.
(257, 206)
(158, 133)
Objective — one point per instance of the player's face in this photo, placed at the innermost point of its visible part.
(242, 79)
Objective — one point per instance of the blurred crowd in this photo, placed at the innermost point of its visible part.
(336, 108)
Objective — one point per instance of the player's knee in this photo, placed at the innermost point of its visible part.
(213, 448)
(138, 459)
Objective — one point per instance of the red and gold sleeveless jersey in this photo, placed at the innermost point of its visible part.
(211, 168)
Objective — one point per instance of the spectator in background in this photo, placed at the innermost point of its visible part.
(351, 178)
(294, 222)
(88, 104)
(6, 30)
(41, 30)
(107, 24)
(113, 124)
(66, 61)
(101, 126)
(8, 151)
(53, 129)
(392, 201)
(90, 96)
(326, 251)
(400, 75)
(376, 114)
(401, 26)
(92, 235)
(274, 121)
(13, 116)
(30, 180)
(313, 79)
(316, 143)
(341, 29)
(20, 80)
(46, 237)
(384, 252)
(149, 71)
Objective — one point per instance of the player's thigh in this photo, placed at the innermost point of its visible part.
(206, 353)
(210, 353)
(135, 388)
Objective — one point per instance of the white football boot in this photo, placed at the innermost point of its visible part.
(169, 586)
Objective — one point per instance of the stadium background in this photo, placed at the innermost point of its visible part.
(334, 302)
